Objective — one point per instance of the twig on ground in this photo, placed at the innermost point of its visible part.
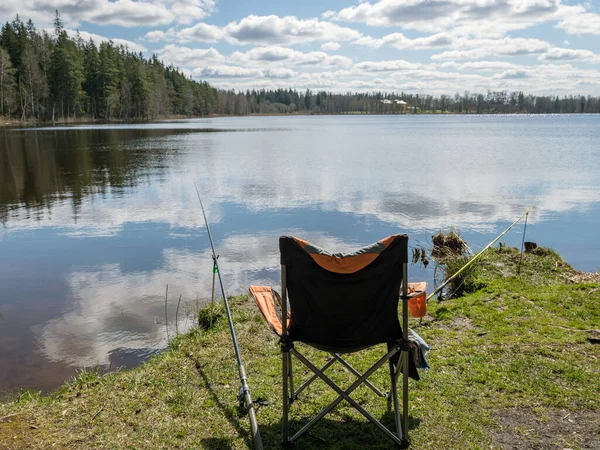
(5, 418)
(97, 412)
(571, 329)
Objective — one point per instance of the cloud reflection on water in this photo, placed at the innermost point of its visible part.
(410, 204)
(112, 310)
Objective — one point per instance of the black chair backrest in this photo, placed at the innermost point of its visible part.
(344, 302)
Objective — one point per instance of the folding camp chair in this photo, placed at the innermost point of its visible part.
(342, 303)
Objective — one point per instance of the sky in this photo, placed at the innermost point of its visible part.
(549, 47)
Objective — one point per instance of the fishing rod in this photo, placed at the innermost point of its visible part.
(245, 391)
(481, 252)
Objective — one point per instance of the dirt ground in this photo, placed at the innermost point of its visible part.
(547, 429)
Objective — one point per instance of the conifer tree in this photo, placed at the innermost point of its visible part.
(7, 83)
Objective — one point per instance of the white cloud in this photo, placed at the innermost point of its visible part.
(187, 11)
(330, 46)
(480, 65)
(483, 48)
(564, 71)
(224, 71)
(264, 30)
(201, 32)
(285, 30)
(566, 54)
(512, 75)
(386, 66)
(399, 41)
(190, 57)
(155, 36)
(276, 54)
(580, 22)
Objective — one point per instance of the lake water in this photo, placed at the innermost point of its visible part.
(97, 220)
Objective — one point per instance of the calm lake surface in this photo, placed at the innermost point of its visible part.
(96, 220)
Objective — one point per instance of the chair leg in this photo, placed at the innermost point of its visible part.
(405, 356)
(285, 431)
(394, 394)
(291, 375)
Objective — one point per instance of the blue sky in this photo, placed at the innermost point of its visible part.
(419, 46)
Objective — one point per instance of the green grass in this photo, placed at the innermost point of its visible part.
(514, 348)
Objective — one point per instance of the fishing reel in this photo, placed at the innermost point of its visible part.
(242, 400)
(243, 407)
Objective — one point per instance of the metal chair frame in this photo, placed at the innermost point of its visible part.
(401, 347)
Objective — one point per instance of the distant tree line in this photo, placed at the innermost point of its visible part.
(283, 101)
(51, 76)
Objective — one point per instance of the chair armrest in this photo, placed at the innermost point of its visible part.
(265, 298)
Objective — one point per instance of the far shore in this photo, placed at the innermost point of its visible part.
(4, 121)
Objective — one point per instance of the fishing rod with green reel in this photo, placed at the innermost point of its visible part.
(244, 397)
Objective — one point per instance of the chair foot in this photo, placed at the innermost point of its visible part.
(288, 444)
(405, 444)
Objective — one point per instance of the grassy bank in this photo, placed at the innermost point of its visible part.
(512, 367)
